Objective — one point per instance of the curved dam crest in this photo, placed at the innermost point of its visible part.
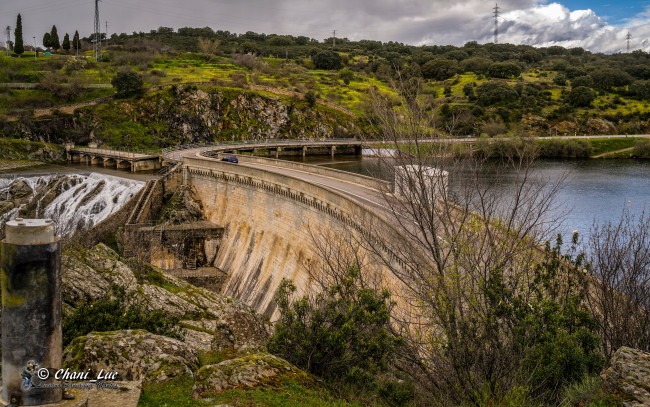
(268, 220)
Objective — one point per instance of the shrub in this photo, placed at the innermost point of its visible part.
(642, 149)
(504, 70)
(127, 84)
(341, 333)
(581, 96)
(585, 81)
(566, 149)
(440, 69)
(310, 97)
(494, 92)
(327, 60)
(115, 311)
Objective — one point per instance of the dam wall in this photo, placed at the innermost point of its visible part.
(268, 221)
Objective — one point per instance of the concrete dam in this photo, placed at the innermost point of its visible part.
(261, 216)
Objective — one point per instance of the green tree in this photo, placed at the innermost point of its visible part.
(127, 84)
(640, 89)
(66, 42)
(494, 92)
(440, 69)
(581, 96)
(76, 42)
(327, 60)
(54, 39)
(504, 70)
(342, 332)
(18, 36)
(47, 40)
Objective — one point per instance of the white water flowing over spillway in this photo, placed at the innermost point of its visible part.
(75, 202)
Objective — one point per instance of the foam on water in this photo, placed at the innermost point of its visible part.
(81, 202)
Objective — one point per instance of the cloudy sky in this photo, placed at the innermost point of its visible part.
(599, 25)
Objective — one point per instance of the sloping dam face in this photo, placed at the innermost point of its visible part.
(266, 236)
(269, 220)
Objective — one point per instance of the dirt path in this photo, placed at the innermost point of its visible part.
(613, 152)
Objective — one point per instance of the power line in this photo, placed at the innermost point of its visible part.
(496, 22)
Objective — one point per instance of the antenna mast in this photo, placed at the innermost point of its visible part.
(98, 36)
(334, 39)
(496, 22)
(628, 37)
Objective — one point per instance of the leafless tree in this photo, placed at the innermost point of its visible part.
(619, 256)
(462, 239)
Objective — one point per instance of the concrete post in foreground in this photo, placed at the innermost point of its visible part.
(30, 259)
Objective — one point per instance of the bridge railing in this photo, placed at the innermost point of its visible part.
(118, 152)
(265, 142)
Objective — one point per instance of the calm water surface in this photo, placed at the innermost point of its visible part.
(594, 190)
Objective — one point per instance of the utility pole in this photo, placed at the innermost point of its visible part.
(334, 39)
(496, 22)
(106, 34)
(34, 38)
(98, 36)
(628, 37)
(8, 39)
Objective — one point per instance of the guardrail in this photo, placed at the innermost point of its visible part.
(364, 180)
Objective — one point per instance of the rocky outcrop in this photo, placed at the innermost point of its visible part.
(245, 372)
(186, 115)
(628, 376)
(135, 354)
(211, 321)
(600, 126)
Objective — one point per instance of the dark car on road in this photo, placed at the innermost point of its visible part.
(230, 159)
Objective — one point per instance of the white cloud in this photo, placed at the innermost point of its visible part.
(533, 22)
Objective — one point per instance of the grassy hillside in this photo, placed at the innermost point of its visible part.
(491, 89)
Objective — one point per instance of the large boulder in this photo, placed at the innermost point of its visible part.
(136, 355)
(628, 376)
(245, 372)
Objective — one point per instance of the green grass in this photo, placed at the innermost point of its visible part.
(601, 146)
(289, 394)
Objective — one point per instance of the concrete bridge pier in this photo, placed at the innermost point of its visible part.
(110, 162)
(304, 151)
(277, 152)
(124, 164)
(74, 158)
(96, 161)
(333, 150)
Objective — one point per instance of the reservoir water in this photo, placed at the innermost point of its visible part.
(594, 190)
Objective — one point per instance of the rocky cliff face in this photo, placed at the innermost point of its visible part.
(210, 323)
(190, 115)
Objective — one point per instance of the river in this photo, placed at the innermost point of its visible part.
(595, 190)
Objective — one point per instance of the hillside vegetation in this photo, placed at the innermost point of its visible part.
(490, 90)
